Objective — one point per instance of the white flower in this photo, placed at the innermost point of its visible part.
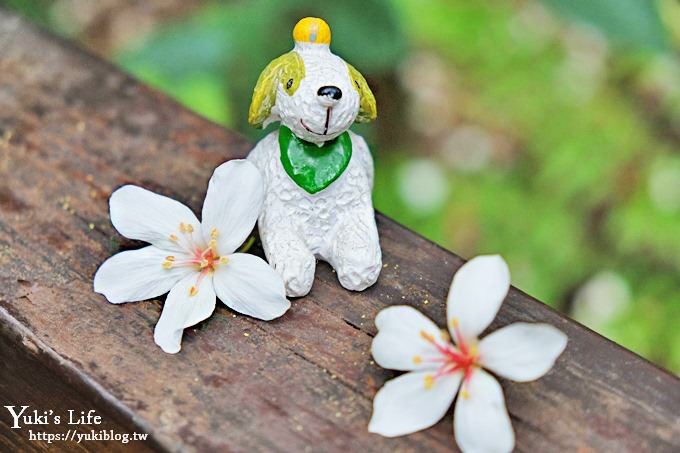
(440, 369)
(193, 260)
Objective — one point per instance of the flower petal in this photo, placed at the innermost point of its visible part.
(522, 351)
(480, 421)
(477, 292)
(181, 310)
(405, 405)
(232, 204)
(136, 275)
(140, 214)
(248, 285)
(399, 344)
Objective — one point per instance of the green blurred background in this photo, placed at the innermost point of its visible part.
(547, 131)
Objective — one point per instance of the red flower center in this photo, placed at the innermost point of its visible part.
(203, 260)
(452, 359)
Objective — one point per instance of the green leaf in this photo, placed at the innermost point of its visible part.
(631, 23)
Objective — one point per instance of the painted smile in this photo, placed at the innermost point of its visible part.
(328, 120)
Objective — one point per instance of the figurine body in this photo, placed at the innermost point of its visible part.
(318, 175)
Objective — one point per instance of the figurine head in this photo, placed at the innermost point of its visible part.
(313, 92)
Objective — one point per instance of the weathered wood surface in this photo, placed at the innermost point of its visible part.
(73, 129)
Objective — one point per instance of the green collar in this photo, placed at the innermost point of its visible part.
(314, 167)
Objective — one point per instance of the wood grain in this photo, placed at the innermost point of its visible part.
(74, 128)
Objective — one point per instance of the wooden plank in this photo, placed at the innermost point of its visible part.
(45, 380)
(73, 129)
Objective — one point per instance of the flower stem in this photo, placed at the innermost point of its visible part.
(249, 243)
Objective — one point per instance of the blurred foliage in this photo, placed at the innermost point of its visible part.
(228, 44)
(37, 11)
(549, 134)
(630, 22)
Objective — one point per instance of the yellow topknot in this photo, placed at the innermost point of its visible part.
(312, 30)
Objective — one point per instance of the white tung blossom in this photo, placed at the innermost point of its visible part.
(194, 261)
(440, 368)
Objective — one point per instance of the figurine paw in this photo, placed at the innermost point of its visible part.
(360, 274)
(356, 256)
(298, 275)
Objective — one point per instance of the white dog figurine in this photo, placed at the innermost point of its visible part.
(318, 174)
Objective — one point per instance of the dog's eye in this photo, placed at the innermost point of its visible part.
(289, 84)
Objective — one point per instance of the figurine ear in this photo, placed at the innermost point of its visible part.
(288, 69)
(368, 111)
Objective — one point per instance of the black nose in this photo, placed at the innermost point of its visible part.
(330, 91)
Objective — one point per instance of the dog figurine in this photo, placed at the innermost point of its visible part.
(318, 174)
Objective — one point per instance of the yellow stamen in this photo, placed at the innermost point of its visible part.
(417, 359)
(454, 322)
(429, 381)
(193, 291)
(445, 335)
(173, 238)
(426, 336)
(465, 394)
(189, 228)
(214, 233)
(170, 258)
(212, 244)
(182, 227)
(167, 264)
(224, 259)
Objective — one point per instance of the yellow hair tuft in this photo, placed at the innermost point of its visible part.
(287, 68)
(368, 111)
(312, 30)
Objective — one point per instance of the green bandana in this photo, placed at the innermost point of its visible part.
(314, 167)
